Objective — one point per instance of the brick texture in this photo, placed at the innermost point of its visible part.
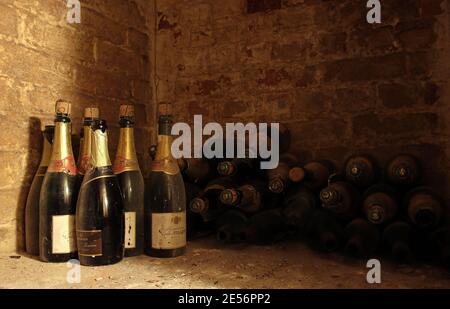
(340, 84)
(101, 62)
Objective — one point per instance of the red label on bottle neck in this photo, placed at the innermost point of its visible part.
(66, 165)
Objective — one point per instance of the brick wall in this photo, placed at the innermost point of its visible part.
(340, 84)
(100, 62)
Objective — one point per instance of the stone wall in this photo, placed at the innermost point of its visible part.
(101, 62)
(341, 85)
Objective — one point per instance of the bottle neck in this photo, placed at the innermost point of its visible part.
(99, 149)
(126, 158)
(163, 151)
(62, 159)
(85, 155)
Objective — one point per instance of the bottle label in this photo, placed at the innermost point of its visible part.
(66, 165)
(130, 229)
(122, 164)
(89, 242)
(168, 230)
(84, 165)
(63, 238)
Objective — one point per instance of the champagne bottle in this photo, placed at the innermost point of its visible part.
(238, 168)
(279, 176)
(380, 204)
(397, 239)
(249, 197)
(126, 168)
(361, 171)
(100, 214)
(403, 170)
(324, 232)
(207, 203)
(341, 198)
(266, 227)
(91, 114)
(317, 173)
(231, 226)
(197, 170)
(32, 205)
(425, 207)
(58, 196)
(165, 206)
(362, 238)
(298, 206)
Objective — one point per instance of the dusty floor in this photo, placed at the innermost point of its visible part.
(209, 265)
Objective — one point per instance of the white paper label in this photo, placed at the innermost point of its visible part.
(169, 230)
(130, 229)
(63, 234)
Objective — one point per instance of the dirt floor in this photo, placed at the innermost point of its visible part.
(210, 265)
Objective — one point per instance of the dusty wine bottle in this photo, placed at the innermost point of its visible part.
(380, 203)
(298, 205)
(197, 170)
(266, 227)
(279, 176)
(317, 173)
(341, 198)
(249, 197)
(91, 114)
(361, 171)
(100, 215)
(425, 207)
(58, 196)
(238, 168)
(32, 205)
(207, 203)
(362, 238)
(126, 168)
(403, 170)
(324, 232)
(397, 238)
(194, 221)
(165, 200)
(231, 226)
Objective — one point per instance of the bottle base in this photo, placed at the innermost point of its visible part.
(99, 261)
(165, 253)
(58, 258)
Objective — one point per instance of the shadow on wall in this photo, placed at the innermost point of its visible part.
(34, 152)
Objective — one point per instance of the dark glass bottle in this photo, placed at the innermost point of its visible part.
(231, 226)
(32, 205)
(403, 170)
(397, 239)
(362, 238)
(165, 200)
(58, 196)
(425, 207)
(324, 232)
(199, 171)
(91, 114)
(380, 204)
(279, 176)
(126, 168)
(100, 215)
(317, 173)
(361, 171)
(238, 168)
(341, 198)
(298, 205)
(266, 227)
(194, 221)
(207, 203)
(249, 197)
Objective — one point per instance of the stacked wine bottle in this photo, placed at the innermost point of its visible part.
(362, 211)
